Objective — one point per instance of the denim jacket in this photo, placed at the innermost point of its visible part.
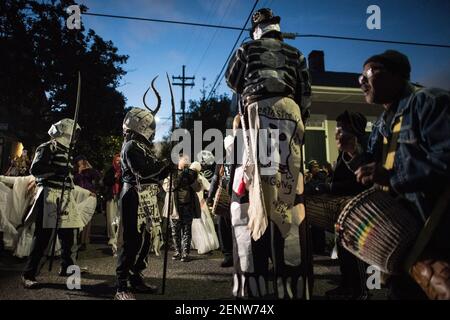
(422, 161)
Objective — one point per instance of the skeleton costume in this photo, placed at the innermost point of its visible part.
(139, 215)
(206, 159)
(267, 208)
(50, 168)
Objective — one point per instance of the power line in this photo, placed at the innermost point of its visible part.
(232, 50)
(213, 10)
(213, 37)
(288, 33)
(298, 35)
(162, 21)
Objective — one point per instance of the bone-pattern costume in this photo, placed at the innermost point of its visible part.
(50, 169)
(140, 220)
(267, 207)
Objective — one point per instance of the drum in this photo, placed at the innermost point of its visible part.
(222, 201)
(323, 210)
(378, 229)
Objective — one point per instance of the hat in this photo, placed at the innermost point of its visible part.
(394, 61)
(355, 122)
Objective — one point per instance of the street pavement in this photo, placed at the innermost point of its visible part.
(201, 278)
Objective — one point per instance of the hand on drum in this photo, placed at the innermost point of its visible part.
(372, 173)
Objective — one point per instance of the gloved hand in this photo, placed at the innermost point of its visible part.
(167, 167)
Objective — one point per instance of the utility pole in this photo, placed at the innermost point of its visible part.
(183, 85)
(204, 91)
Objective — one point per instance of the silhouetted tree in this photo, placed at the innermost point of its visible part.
(40, 60)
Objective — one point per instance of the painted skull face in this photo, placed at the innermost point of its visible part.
(205, 157)
(280, 133)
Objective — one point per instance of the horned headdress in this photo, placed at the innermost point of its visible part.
(143, 121)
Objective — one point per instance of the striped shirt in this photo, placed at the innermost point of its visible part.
(49, 165)
(267, 68)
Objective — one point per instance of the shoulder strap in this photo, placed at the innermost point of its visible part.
(390, 145)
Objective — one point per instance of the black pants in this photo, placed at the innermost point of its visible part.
(182, 229)
(133, 254)
(41, 244)
(225, 236)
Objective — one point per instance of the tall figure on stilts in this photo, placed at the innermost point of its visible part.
(267, 209)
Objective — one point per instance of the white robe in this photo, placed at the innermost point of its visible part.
(204, 237)
(15, 200)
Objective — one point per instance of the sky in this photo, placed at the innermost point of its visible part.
(157, 48)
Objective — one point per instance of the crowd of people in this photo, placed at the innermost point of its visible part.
(271, 216)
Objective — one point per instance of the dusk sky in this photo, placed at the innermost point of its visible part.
(157, 48)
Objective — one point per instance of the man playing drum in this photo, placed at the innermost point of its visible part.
(415, 163)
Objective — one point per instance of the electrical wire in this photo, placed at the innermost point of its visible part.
(240, 29)
(232, 51)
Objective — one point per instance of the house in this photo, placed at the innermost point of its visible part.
(332, 94)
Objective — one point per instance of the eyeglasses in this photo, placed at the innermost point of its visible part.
(365, 76)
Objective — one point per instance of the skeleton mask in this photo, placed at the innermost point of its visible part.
(205, 157)
(143, 121)
(62, 130)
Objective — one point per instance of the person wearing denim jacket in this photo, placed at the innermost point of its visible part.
(421, 169)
